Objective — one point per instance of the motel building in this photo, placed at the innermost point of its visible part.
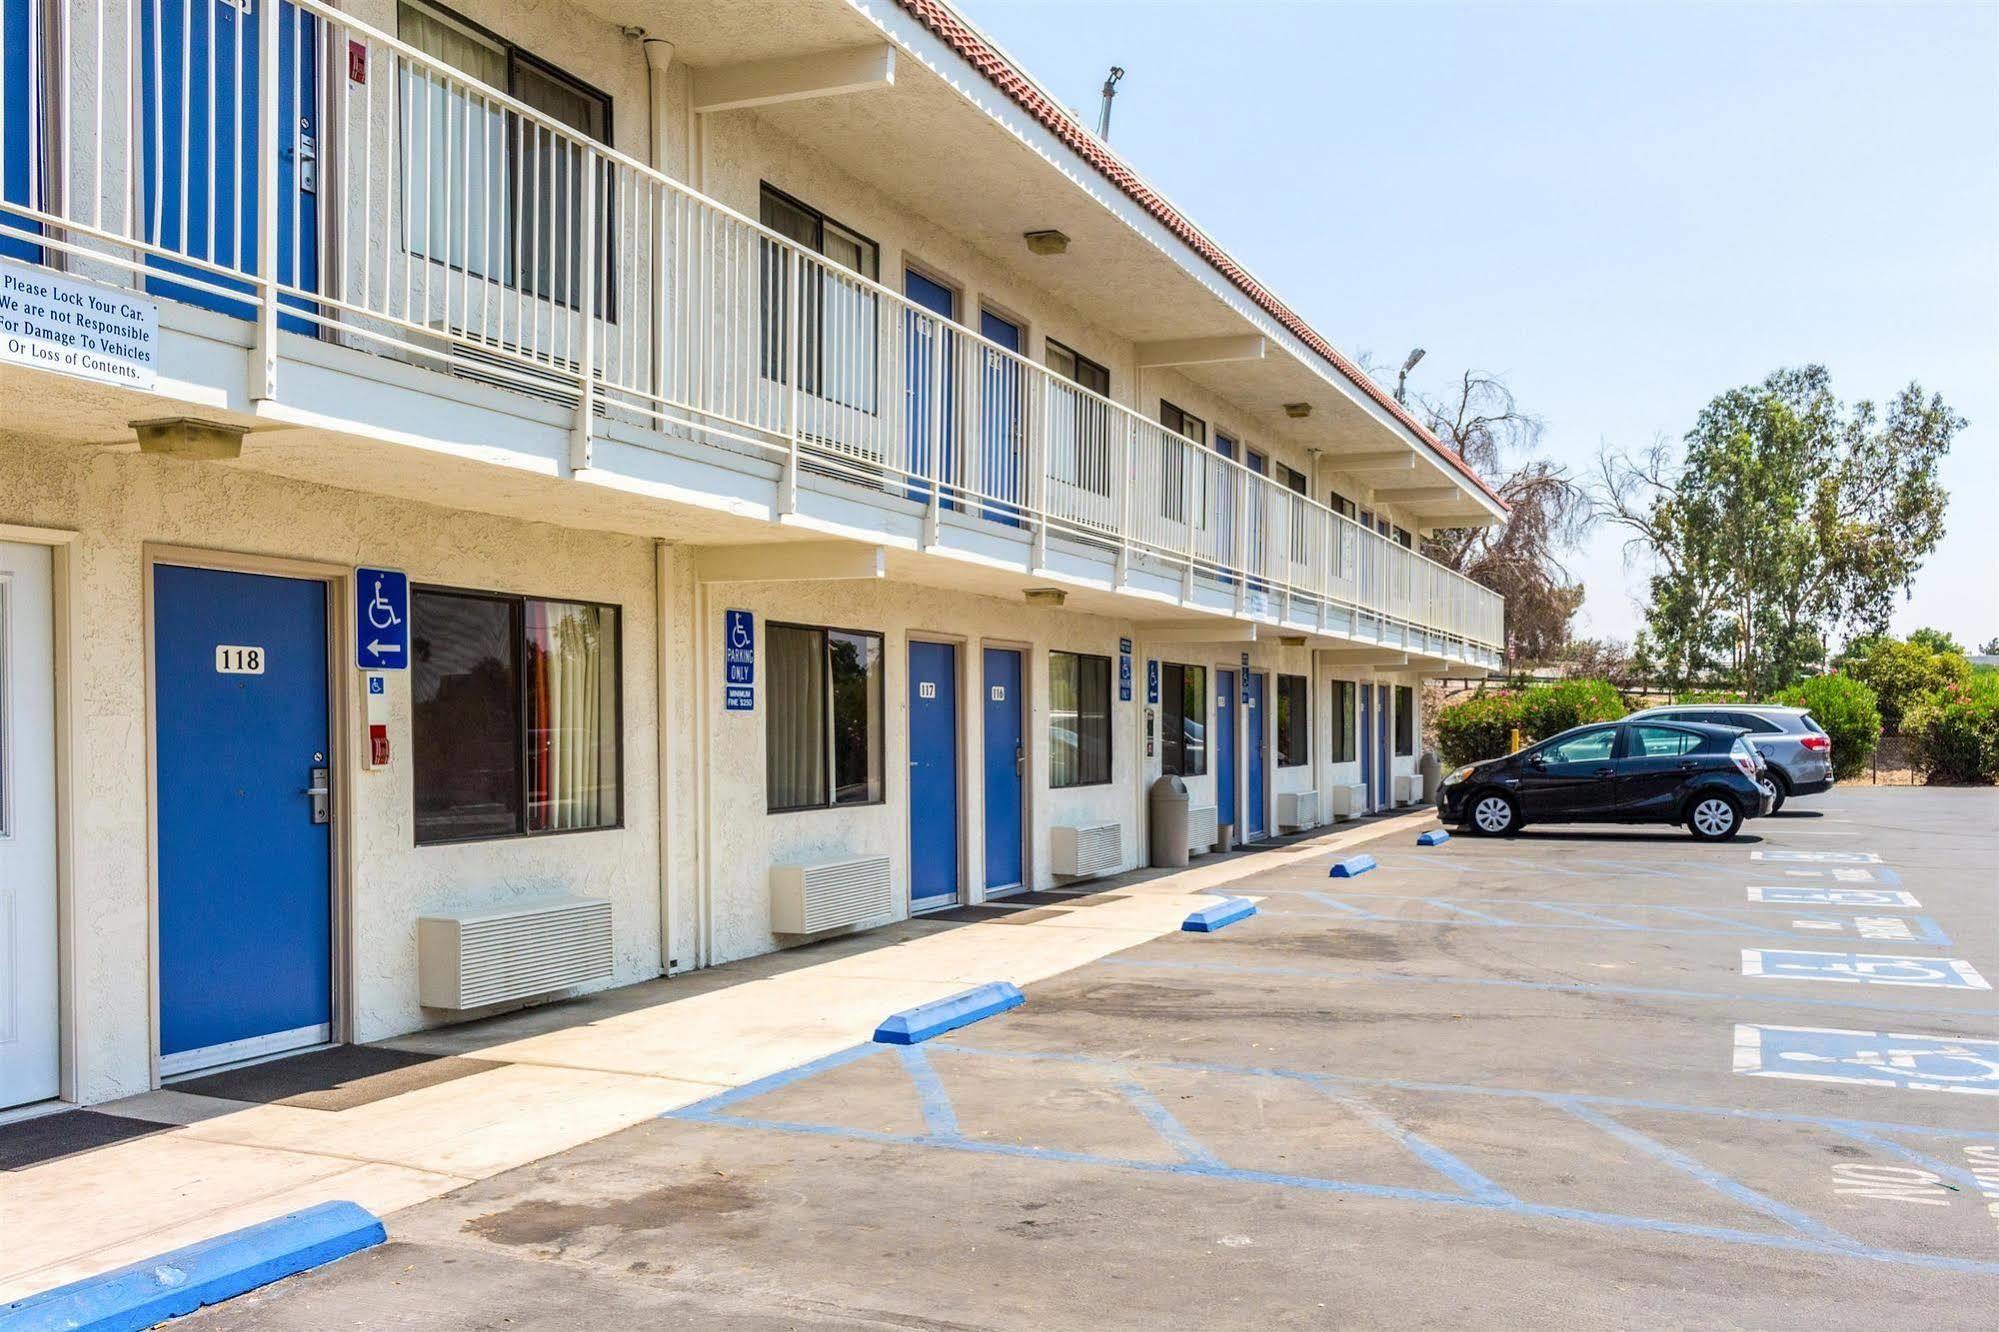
(501, 501)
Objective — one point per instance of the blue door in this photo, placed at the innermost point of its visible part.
(1383, 773)
(1367, 742)
(932, 353)
(199, 94)
(21, 179)
(1255, 727)
(1003, 409)
(1006, 768)
(245, 886)
(1225, 749)
(933, 775)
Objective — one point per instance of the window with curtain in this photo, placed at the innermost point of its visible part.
(1343, 721)
(516, 727)
(1079, 719)
(1405, 720)
(823, 723)
(1172, 460)
(484, 190)
(1183, 721)
(1294, 723)
(838, 319)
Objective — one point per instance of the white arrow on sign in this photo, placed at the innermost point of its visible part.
(381, 649)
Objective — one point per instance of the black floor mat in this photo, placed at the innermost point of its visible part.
(338, 1079)
(969, 915)
(52, 1137)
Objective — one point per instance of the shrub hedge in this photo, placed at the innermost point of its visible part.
(1481, 727)
(1902, 674)
(1847, 709)
(1955, 731)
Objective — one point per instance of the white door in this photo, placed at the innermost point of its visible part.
(28, 1059)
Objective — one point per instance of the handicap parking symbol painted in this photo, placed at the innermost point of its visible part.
(1818, 857)
(1870, 968)
(1877, 929)
(1872, 1058)
(1795, 895)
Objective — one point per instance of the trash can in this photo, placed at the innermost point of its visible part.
(1166, 805)
(1432, 769)
(1224, 837)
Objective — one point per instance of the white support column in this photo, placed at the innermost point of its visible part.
(264, 349)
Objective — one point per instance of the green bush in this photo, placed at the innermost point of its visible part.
(1476, 728)
(1547, 710)
(1847, 710)
(1955, 732)
(1713, 696)
(1900, 674)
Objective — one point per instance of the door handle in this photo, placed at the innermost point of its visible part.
(1606, 772)
(319, 790)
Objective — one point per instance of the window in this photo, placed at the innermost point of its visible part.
(1293, 478)
(1588, 747)
(1079, 437)
(838, 320)
(489, 193)
(1662, 742)
(1079, 719)
(1183, 726)
(1407, 541)
(1339, 504)
(1749, 721)
(1343, 722)
(516, 727)
(1405, 720)
(823, 736)
(1294, 723)
(1172, 468)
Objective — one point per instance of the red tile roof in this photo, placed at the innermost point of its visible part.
(1005, 76)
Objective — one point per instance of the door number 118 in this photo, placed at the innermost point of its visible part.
(235, 659)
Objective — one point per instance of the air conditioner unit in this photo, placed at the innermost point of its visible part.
(519, 951)
(830, 895)
(1349, 802)
(1298, 809)
(1408, 789)
(1076, 850)
(1202, 832)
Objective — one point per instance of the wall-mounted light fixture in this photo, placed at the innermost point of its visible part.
(1046, 242)
(1297, 411)
(187, 437)
(1045, 596)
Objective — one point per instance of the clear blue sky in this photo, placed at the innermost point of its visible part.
(1621, 208)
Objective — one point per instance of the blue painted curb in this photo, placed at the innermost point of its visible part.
(941, 1015)
(1209, 919)
(209, 1272)
(1351, 868)
(1434, 837)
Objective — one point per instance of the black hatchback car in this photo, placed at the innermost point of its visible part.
(1705, 777)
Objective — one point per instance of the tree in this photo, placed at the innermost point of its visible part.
(1901, 674)
(1936, 640)
(1990, 648)
(1521, 560)
(1786, 516)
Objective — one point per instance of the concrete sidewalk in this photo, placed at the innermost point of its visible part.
(533, 1083)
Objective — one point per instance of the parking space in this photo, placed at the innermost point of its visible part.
(1609, 1077)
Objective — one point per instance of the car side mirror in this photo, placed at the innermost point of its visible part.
(1538, 760)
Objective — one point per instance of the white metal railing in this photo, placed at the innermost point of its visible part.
(384, 200)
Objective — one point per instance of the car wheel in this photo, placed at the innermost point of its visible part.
(1775, 790)
(1493, 815)
(1714, 818)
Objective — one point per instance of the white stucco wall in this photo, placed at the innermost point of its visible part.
(120, 502)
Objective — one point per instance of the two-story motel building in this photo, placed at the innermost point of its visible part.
(831, 486)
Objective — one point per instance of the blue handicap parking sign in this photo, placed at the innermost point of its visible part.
(1798, 895)
(1868, 968)
(381, 619)
(1873, 1058)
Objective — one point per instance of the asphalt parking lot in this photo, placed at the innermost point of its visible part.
(1606, 1077)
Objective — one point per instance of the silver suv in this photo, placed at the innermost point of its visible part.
(1795, 747)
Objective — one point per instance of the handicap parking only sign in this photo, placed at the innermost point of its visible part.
(739, 661)
(1945, 973)
(1817, 857)
(381, 619)
(1871, 1058)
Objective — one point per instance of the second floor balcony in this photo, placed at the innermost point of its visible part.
(297, 169)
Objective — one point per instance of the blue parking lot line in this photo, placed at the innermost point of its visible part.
(1195, 1160)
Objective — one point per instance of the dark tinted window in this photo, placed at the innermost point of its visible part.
(1294, 726)
(1662, 742)
(1343, 727)
(1183, 726)
(1749, 721)
(1585, 747)
(1079, 719)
